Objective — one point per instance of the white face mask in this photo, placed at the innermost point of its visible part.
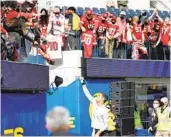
(155, 105)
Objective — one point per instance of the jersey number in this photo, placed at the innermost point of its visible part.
(90, 26)
(53, 46)
(101, 29)
(112, 31)
(137, 29)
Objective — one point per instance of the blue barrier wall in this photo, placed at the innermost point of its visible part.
(23, 110)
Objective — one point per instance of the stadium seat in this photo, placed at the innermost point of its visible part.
(161, 14)
(80, 9)
(138, 12)
(64, 8)
(87, 8)
(151, 12)
(96, 11)
(131, 12)
(111, 10)
(102, 10)
(117, 11)
(166, 14)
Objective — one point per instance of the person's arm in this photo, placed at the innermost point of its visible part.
(160, 19)
(86, 91)
(152, 15)
(49, 27)
(157, 42)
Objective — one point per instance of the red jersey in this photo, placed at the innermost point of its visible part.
(112, 29)
(137, 32)
(13, 14)
(102, 27)
(146, 30)
(89, 24)
(165, 34)
(153, 23)
(88, 38)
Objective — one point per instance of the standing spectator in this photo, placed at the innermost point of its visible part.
(111, 36)
(121, 49)
(101, 34)
(152, 114)
(155, 42)
(57, 121)
(163, 118)
(56, 22)
(74, 21)
(165, 38)
(138, 39)
(89, 25)
(43, 22)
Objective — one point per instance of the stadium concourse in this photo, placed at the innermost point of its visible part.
(57, 56)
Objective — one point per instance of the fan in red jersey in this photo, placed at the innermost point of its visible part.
(165, 38)
(138, 39)
(101, 34)
(89, 22)
(88, 40)
(111, 35)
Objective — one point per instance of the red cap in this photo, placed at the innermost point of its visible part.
(104, 15)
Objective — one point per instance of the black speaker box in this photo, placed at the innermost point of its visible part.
(123, 102)
(124, 111)
(123, 85)
(126, 127)
(126, 93)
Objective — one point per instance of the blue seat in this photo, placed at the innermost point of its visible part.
(132, 12)
(117, 11)
(166, 14)
(151, 12)
(64, 8)
(87, 8)
(161, 15)
(95, 9)
(138, 12)
(80, 13)
(110, 10)
(96, 12)
(80, 9)
(102, 10)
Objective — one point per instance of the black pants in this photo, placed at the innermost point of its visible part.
(106, 133)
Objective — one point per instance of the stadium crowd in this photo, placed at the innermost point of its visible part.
(104, 35)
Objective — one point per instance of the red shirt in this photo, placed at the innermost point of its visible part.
(13, 14)
(2, 29)
(102, 27)
(89, 24)
(152, 23)
(137, 32)
(112, 29)
(88, 39)
(165, 37)
(146, 30)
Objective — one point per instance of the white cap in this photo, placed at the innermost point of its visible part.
(164, 100)
(122, 13)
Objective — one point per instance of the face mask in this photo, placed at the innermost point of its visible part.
(155, 105)
(156, 20)
(146, 23)
(122, 17)
(113, 22)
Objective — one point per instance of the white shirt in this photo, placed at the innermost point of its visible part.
(57, 29)
(99, 113)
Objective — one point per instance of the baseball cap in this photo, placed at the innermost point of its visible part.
(164, 100)
(122, 13)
